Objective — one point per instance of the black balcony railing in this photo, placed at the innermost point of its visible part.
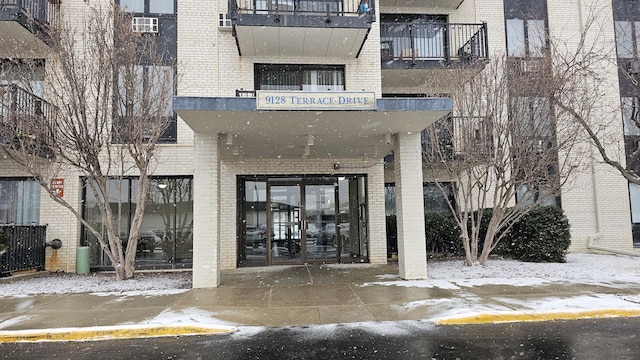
(412, 44)
(26, 120)
(245, 93)
(123, 126)
(457, 139)
(302, 7)
(22, 248)
(36, 11)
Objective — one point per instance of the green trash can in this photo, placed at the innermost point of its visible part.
(82, 260)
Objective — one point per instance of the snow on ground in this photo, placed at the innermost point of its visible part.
(578, 266)
(144, 283)
(583, 267)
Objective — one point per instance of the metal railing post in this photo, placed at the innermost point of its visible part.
(485, 38)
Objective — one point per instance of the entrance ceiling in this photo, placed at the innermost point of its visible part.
(284, 134)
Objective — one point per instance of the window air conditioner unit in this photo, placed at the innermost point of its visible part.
(145, 25)
(224, 23)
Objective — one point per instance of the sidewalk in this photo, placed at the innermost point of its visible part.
(312, 295)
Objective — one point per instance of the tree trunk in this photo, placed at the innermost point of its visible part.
(488, 242)
(120, 272)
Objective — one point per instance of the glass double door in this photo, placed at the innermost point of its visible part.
(295, 220)
(302, 222)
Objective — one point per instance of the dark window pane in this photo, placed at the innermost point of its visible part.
(133, 6)
(624, 39)
(515, 37)
(161, 6)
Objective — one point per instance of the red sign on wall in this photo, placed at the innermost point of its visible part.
(57, 187)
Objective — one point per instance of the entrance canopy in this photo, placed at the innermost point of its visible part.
(250, 131)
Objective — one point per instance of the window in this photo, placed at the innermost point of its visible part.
(631, 119)
(27, 74)
(148, 6)
(631, 116)
(626, 14)
(161, 6)
(132, 6)
(525, 37)
(534, 129)
(532, 117)
(19, 201)
(407, 36)
(146, 96)
(434, 199)
(437, 141)
(299, 77)
(525, 24)
(627, 39)
(634, 197)
(287, 7)
(167, 225)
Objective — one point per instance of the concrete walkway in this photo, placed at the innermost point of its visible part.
(311, 295)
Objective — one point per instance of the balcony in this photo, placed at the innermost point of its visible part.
(26, 121)
(23, 27)
(415, 52)
(439, 4)
(457, 139)
(300, 28)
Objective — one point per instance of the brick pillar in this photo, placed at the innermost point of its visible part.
(206, 240)
(412, 248)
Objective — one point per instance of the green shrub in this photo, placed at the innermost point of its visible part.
(3, 240)
(442, 234)
(540, 236)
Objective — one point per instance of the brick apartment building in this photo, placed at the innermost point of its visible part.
(284, 114)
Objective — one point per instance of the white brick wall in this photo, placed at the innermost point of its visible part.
(596, 201)
(206, 235)
(412, 248)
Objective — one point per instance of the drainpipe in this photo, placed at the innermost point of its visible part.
(591, 239)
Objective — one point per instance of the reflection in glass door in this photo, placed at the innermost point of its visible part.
(320, 222)
(286, 241)
(296, 220)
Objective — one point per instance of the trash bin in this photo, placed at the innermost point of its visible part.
(82, 260)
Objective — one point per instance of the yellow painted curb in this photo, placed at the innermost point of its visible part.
(525, 317)
(107, 333)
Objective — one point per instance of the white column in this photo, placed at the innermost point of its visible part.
(206, 240)
(412, 248)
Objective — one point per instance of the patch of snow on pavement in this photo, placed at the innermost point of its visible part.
(146, 293)
(524, 281)
(188, 316)
(382, 328)
(571, 304)
(428, 284)
(13, 321)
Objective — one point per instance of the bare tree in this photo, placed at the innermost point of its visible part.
(600, 81)
(506, 148)
(520, 126)
(108, 91)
